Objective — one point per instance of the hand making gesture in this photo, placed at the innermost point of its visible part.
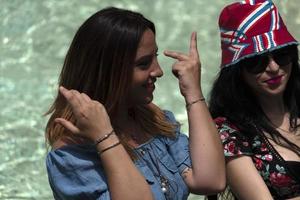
(205, 147)
(187, 69)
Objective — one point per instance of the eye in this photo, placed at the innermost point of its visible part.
(144, 63)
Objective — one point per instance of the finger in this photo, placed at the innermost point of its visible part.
(177, 68)
(68, 125)
(176, 55)
(175, 73)
(70, 97)
(193, 45)
(85, 97)
(78, 97)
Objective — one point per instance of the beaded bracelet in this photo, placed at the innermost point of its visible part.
(188, 105)
(110, 147)
(104, 137)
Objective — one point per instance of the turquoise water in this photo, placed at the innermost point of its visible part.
(34, 37)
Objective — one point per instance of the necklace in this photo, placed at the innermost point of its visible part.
(163, 180)
(164, 183)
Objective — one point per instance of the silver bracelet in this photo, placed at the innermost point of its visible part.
(188, 105)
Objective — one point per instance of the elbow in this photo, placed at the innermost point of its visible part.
(208, 186)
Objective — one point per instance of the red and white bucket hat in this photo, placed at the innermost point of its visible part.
(249, 28)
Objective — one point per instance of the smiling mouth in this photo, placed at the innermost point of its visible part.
(150, 86)
(275, 80)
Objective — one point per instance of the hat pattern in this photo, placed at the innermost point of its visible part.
(249, 28)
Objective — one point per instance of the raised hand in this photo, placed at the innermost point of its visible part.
(187, 69)
(92, 120)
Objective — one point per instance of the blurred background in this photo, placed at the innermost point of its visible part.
(34, 38)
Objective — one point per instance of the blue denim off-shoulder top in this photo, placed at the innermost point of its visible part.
(75, 171)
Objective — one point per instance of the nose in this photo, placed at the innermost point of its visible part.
(272, 65)
(156, 69)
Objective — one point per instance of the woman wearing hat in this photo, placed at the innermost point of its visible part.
(256, 103)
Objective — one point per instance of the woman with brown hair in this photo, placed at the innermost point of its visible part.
(109, 141)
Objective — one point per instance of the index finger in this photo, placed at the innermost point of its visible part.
(176, 55)
(70, 97)
(193, 45)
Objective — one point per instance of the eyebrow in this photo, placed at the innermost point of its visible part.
(144, 57)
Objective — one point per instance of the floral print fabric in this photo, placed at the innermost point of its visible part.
(268, 162)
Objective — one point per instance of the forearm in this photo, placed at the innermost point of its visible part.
(208, 167)
(124, 179)
(206, 149)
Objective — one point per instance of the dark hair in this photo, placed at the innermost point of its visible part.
(100, 63)
(100, 59)
(232, 98)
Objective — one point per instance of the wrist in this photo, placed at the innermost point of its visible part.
(104, 137)
(113, 139)
(190, 103)
(193, 97)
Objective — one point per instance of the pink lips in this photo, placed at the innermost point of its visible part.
(275, 80)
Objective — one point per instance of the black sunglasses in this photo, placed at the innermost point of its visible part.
(258, 64)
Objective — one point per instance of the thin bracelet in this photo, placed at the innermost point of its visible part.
(188, 105)
(108, 148)
(104, 137)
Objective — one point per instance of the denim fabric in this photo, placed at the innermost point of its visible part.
(75, 171)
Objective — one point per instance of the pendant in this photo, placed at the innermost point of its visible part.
(164, 184)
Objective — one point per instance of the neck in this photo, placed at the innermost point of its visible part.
(275, 110)
(272, 105)
(123, 118)
(128, 126)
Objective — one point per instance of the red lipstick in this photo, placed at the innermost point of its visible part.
(274, 80)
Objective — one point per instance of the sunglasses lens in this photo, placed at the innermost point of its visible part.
(256, 64)
(282, 57)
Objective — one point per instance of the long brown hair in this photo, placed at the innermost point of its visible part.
(100, 63)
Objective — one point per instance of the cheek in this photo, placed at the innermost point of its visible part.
(139, 76)
(138, 80)
(259, 78)
(254, 82)
(288, 70)
(250, 79)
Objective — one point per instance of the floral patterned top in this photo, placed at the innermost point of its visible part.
(282, 183)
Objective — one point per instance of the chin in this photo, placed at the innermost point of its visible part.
(274, 93)
(149, 100)
(144, 101)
